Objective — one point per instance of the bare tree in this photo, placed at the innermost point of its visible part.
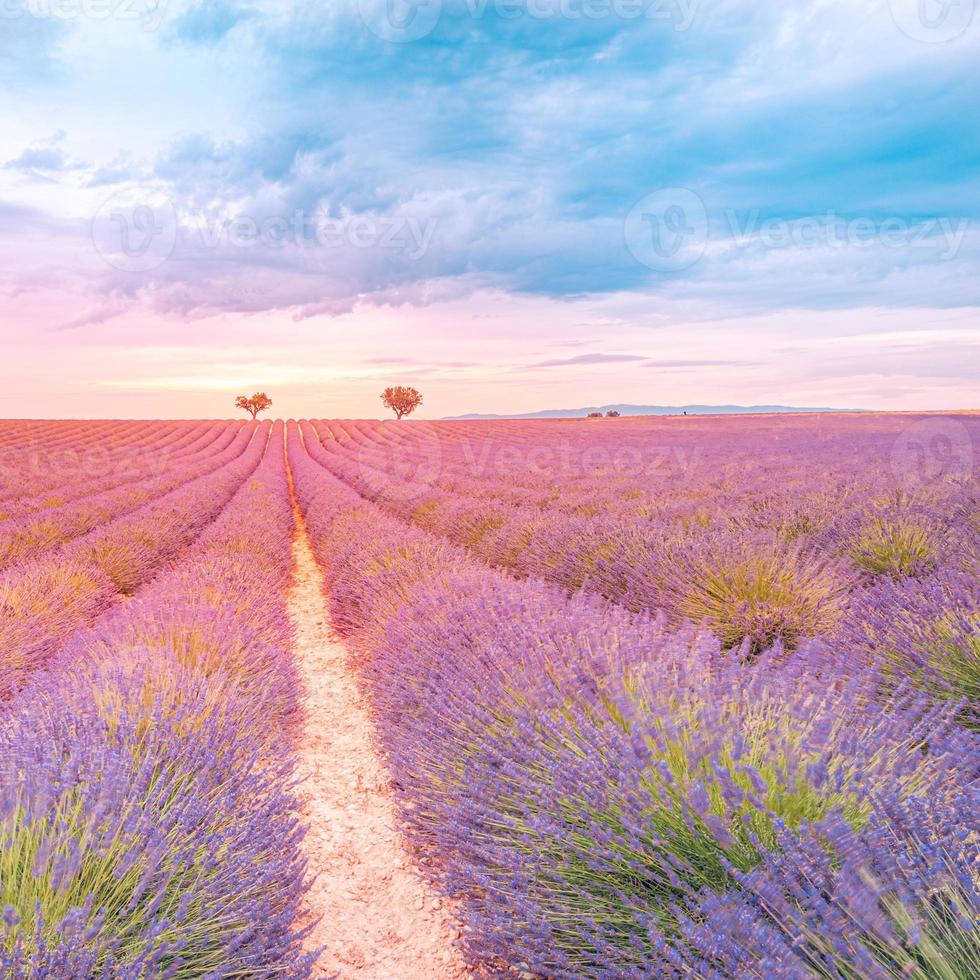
(259, 402)
(401, 400)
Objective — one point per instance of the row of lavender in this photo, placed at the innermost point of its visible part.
(147, 823)
(63, 458)
(610, 797)
(810, 490)
(847, 556)
(44, 600)
(104, 466)
(38, 446)
(23, 536)
(643, 466)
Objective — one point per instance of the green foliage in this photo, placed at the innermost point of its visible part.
(895, 547)
(762, 597)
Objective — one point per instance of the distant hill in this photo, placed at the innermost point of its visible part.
(572, 413)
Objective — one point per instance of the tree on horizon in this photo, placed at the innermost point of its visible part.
(259, 402)
(401, 399)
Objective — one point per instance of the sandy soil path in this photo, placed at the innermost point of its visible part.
(380, 921)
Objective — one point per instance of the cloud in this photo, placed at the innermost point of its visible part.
(520, 152)
(28, 45)
(418, 365)
(116, 173)
(208, 22)
(49, 159)
(697, 364)
(589, 359)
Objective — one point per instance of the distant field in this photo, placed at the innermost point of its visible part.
(657, 696)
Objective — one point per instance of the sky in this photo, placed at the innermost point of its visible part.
(513, 205)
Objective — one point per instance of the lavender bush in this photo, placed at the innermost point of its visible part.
(925, 633)
(897, 898)
(142, 831)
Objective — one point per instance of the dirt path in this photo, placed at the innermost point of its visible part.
(379, 921)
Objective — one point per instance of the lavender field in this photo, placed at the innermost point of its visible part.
(650, 697)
